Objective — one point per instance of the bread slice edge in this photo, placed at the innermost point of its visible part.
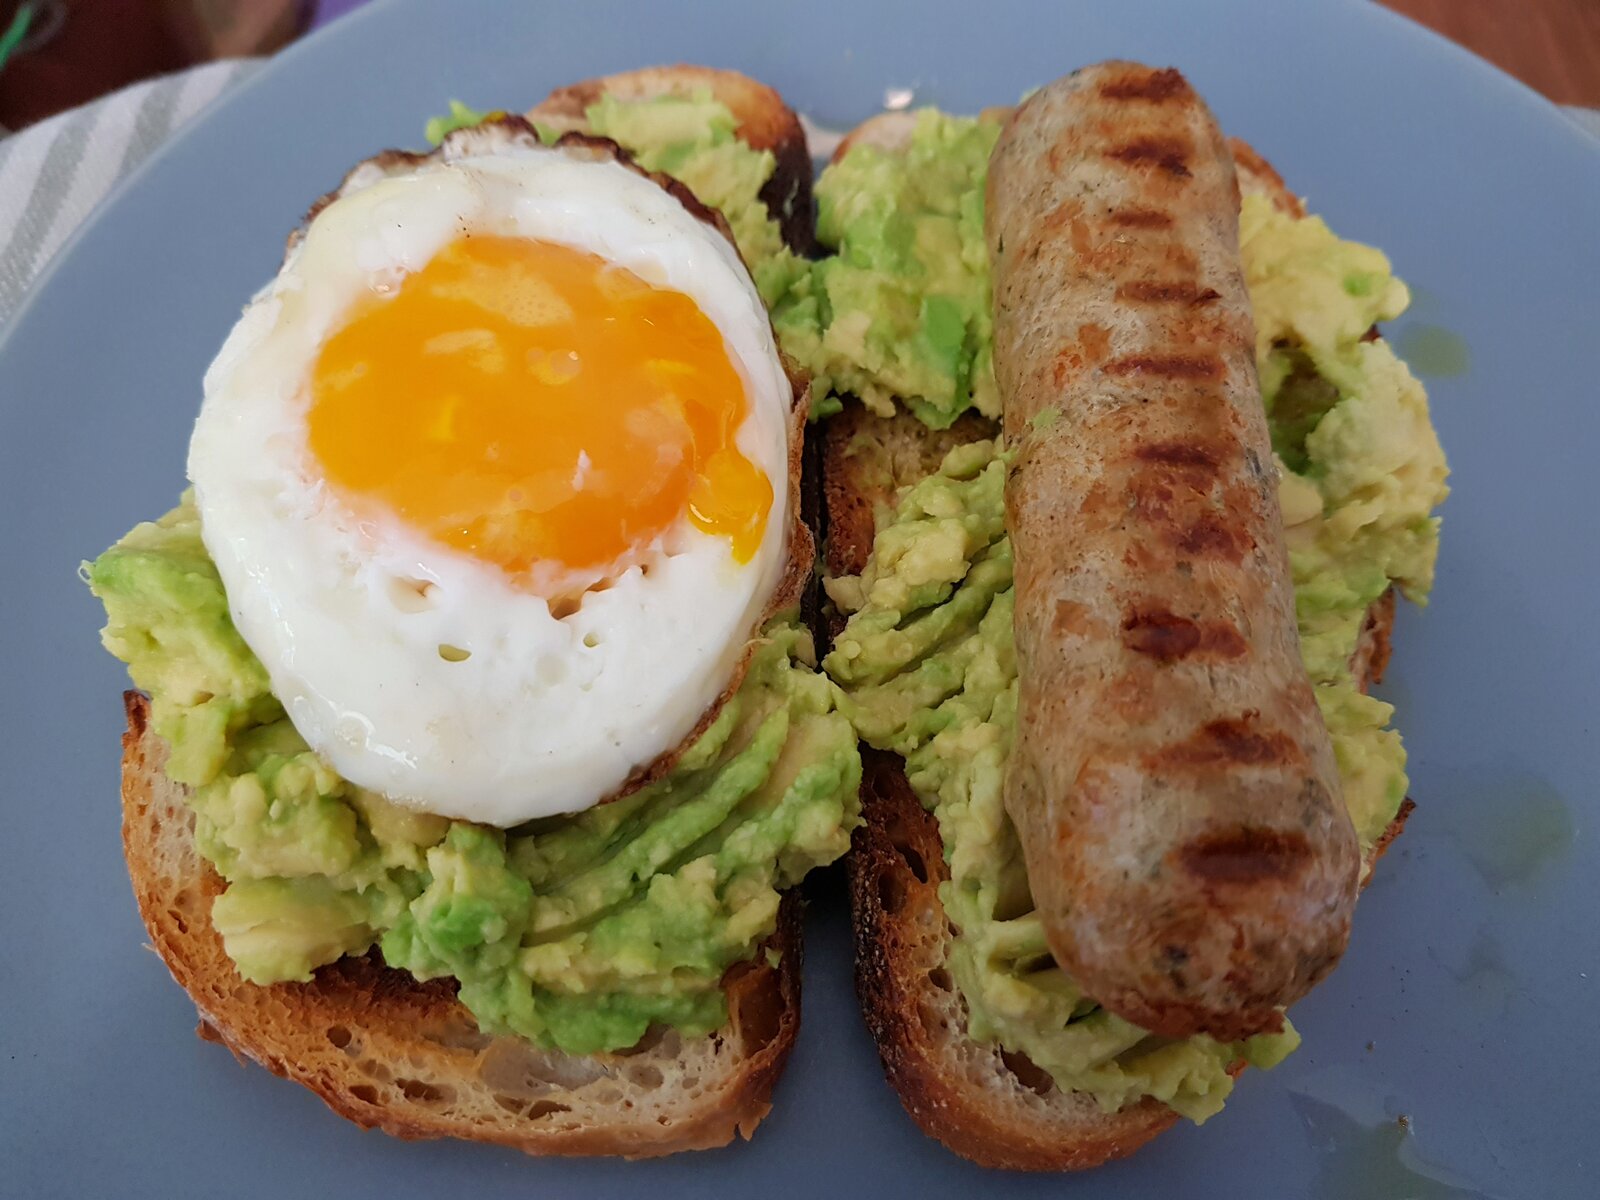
(394, 1053)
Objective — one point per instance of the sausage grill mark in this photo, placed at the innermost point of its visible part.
(1209, 537)
(1140, 218)
(1167, 154)
(1166, 637)
(1168, 366)
(1178, 454)
(1151, 499)
(1162, 635)
(1231, 742)
(1246, 855)
(1156, 86)
(1154, 291)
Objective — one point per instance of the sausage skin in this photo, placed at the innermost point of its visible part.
(1172, 781)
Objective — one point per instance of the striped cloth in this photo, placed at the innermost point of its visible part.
(54, 173)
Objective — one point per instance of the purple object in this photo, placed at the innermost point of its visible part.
(328, 10)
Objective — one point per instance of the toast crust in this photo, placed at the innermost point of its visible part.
(995, 1108)
(393, 1053)
(1256, 174)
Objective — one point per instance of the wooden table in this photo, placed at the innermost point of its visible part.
(1551, 45)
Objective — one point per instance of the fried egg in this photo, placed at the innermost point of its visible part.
(496, 475)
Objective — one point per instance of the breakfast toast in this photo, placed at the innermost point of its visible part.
(390, 1052)
(989, 1105)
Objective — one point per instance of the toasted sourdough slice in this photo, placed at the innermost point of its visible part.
(392, 1053)
(989, 1105)
(406, 1057)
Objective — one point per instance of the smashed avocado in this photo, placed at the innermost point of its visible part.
(902, 308)
(929, 669)
(460, 116)
(928, 664)
(577, 932)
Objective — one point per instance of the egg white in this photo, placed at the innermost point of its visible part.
(348, 614)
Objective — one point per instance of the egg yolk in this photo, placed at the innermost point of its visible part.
(531, 404)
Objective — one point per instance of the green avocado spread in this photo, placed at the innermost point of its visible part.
(929, 671)
(460, 116)
(901, 306)
(577, 932)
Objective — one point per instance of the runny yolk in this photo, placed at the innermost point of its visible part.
(532, 404)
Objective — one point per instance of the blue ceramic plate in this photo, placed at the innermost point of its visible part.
(1467, 1001)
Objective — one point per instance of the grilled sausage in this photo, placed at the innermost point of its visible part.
(1172, 781)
